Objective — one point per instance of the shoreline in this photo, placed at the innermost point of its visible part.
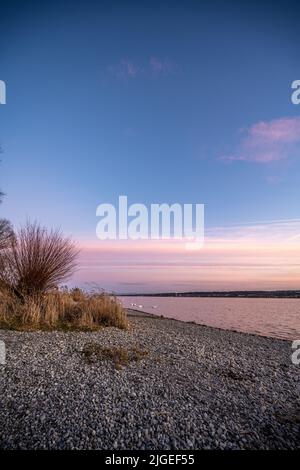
(196, 387)
(144, 314)
(264, 294)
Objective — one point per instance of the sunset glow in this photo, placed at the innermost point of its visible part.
(261, 256)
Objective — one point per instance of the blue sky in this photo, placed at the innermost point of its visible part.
(184, 102)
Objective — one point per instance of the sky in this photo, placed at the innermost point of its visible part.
(171, 101)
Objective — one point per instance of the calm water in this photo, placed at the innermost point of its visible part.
(268, 317)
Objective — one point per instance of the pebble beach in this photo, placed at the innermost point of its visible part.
(194, 387)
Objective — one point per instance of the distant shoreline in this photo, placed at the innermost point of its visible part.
(279, 294)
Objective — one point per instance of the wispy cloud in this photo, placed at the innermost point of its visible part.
(161, 66)
(268, 141)
(128, 69)
(124, 69)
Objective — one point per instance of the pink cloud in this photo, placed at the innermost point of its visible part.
(279, 130)
(268, 141)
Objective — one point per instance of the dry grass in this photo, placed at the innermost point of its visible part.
(61, 310)
(120, 356)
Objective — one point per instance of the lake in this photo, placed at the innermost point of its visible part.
(279, 318)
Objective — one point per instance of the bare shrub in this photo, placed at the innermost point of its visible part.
(38, 260)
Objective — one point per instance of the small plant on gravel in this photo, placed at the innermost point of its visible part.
(93, 352)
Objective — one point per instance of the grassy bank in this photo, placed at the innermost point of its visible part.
(34, 262)
(60, 309)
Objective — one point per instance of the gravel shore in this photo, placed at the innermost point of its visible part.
(197, 388)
